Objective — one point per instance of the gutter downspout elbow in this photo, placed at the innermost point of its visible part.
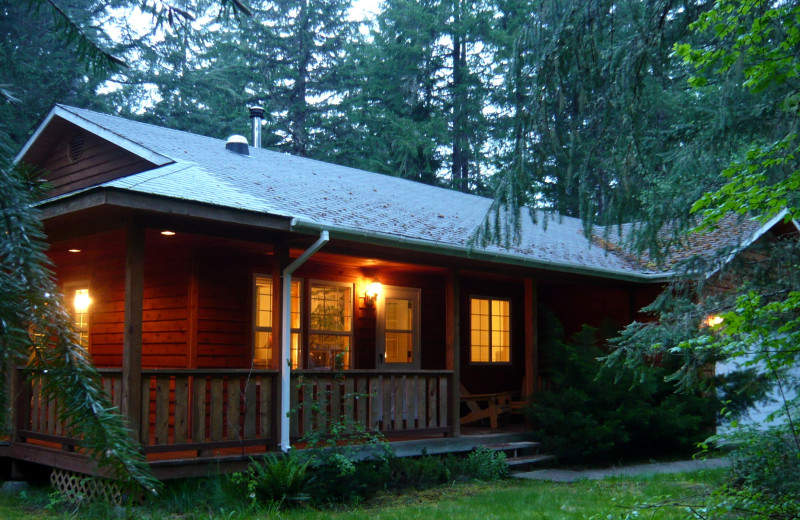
(285, 367)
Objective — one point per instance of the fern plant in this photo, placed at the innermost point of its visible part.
(277, 479)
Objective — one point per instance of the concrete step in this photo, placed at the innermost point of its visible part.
(517, 463)
(508, 446)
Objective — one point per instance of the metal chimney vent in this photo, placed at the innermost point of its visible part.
(238, 144)
(256, 116)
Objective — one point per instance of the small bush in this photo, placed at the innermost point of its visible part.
(339, 477)
(485, 464)
(419, 473)
(767, 461)
(278, 479)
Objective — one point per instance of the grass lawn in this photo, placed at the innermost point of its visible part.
(509, 499)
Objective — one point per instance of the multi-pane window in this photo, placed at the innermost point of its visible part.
(399, 330)
(398, 327)
(490, 330)
(331, 325)
(80, 312)
(262, 323)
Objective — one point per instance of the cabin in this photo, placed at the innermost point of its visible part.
(236, 299)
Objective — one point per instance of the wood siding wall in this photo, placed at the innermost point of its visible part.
(480, 378)
(99, 161)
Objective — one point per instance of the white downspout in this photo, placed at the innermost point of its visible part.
(286, 339)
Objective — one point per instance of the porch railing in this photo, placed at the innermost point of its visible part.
(385, 401)
(206, 410)
(183, 410)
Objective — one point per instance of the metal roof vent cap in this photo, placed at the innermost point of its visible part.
(238, 144)
(257, 117)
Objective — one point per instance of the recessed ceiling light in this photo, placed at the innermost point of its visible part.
(168, 233)
(74, 250)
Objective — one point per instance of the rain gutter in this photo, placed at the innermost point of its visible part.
(286, 337)
(450, 249)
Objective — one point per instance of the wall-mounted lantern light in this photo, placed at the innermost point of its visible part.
(372, 292)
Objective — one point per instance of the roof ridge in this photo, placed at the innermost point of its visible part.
(449, 191)
(127, 120)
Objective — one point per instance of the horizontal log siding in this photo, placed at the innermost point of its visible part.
(101, 265)
(386, 401)
(100, 161)
(224, 311)
(165, 319)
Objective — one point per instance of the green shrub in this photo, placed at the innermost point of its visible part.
(341, 477)
(485, 464)
(600, 416)
(767, 461)
(420, 472)
(279, 479)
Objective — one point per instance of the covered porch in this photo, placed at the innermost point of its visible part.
(187, 342)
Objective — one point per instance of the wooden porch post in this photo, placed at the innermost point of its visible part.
(453, 347)
(131, 403)
(531, 340)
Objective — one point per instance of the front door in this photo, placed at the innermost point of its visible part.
(398, 328)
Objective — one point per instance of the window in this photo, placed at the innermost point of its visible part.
(490, 336)
(262, 323)
(331, 325)
(398, 327)
(79, 300)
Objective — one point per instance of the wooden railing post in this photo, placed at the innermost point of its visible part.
(453, 339)
(21, 399)
(132, 336)
(531, 343)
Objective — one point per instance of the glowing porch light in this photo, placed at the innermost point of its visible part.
(372, 292)
(713, 320)
(82, 301)
(74, 250)
(168, 233)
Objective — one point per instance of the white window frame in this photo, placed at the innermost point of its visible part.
(322, 332)
(491, 360)
(294, 330)
(406, 293)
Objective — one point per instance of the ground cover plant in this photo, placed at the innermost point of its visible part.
(210, 499)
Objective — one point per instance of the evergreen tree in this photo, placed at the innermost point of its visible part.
(285, 57)
(39, 68)
(396, 120)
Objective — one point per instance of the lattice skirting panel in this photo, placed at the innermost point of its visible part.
(80, 488)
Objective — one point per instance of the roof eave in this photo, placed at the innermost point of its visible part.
(449, 249)
(752, 239)
(99, 196)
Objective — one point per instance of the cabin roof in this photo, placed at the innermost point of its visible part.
(351, 202)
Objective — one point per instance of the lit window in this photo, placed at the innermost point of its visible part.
(490, 330)
(262, 323)
(79, 299)
(331, 329)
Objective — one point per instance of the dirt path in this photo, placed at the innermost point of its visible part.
(565, 475)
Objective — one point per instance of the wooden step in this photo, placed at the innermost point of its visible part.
(528, 459)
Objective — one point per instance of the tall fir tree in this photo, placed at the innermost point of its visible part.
(40, 69)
